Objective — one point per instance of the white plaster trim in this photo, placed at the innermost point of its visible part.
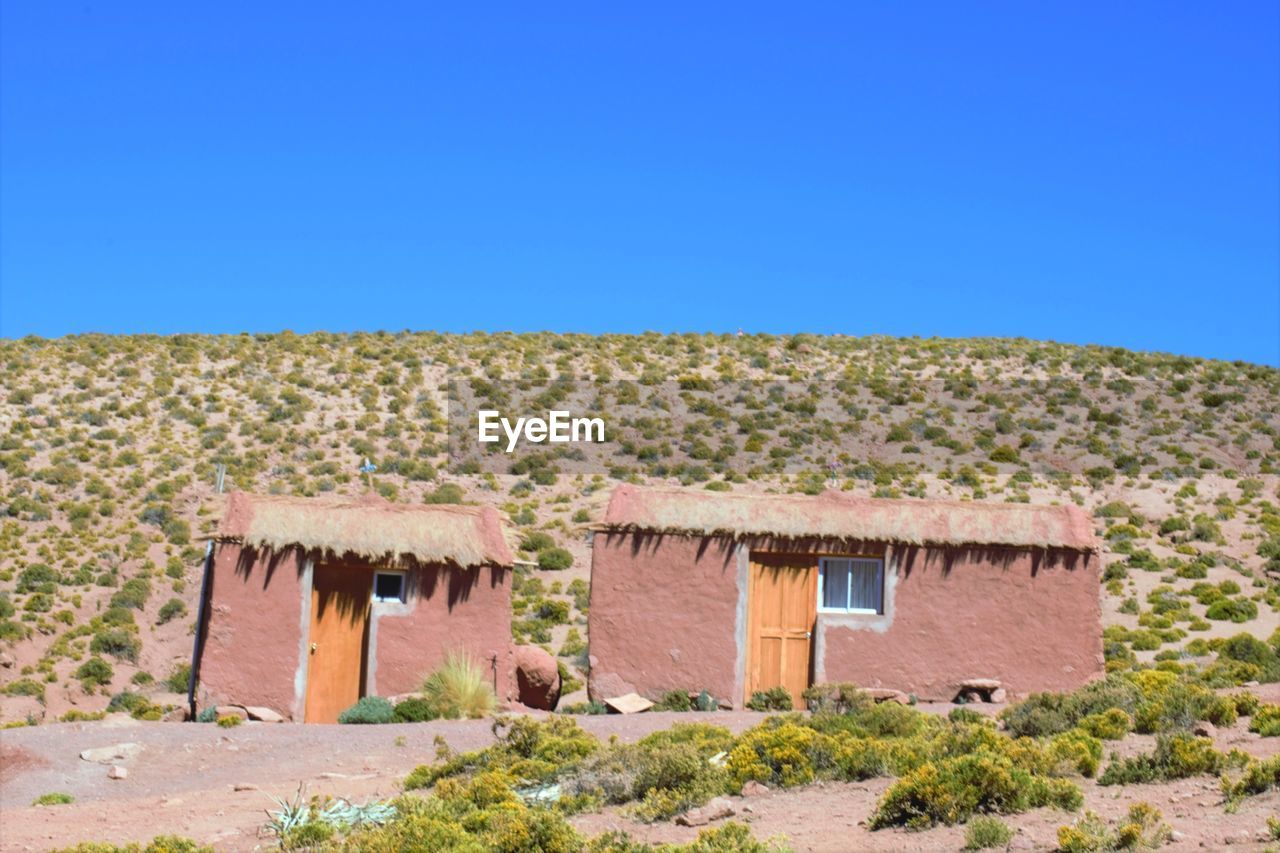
(304, 645)
(377, 610)
(877, 622)
(737, 700)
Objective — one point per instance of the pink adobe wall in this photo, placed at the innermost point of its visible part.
(253, 651)
(662, 616)
(667, 613)
(466, 610)
(254, 630)
(1031, 620)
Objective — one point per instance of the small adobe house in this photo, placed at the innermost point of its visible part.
(737, 593)
(310, 604)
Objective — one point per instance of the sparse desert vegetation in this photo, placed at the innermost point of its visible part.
(110, 448)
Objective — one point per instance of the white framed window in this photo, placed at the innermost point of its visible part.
(851, 585)
(388, 586)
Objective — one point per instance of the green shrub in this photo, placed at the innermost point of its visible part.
(136, 705)
(117, 642)
(773, 699)
(56, 798)
(133, 595)
(1232, 610)
(445, 493)
(1112, 724)
(1266, 721)
(178, 678)
(953, 790)
(24, 687)
(1176, 756)
(368, 710)
(1259, 777)
(838, 698)
(984, 833)
(94, 671)
(37, 578)
(1246, 648)
(414, 710)
(170, 610)
(536, 541)
(554, 559)
(673, 700)
(965, 715)
(1078, 750)
(526, 748)
(459, 689)
(1143, 829)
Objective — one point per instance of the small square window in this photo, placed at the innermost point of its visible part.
(388, 586)
(851, 585)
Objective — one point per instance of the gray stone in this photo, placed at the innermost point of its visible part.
(111, 754)
(117, 772)
(718, 809)
(263, 714)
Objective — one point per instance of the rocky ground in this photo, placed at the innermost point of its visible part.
(215, 785)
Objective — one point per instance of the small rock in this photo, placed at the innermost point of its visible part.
(1204, 728)
(754, 789)
(537, 678)
(177, 715)
(232, 711)
(7, 660)
(717, 809)
(999, 695)
(1250, 684)
(111, 754)
(117, 772)
(244, 786)
(981, 683)
(885, 694)
(262, 714)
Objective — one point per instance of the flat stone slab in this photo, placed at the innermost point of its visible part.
(111, 754)
(263, 714)
(632, 703)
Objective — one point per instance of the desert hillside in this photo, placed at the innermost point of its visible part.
(109, 448)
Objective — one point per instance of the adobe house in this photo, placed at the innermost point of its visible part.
(694, 590)
(310, 604)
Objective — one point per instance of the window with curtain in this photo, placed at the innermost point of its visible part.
(851, 585)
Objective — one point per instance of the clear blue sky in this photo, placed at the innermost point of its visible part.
(1092, 172)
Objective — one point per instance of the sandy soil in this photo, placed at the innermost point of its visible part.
(215, 784)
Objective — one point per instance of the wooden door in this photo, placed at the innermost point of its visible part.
(783, 604)
(338, 640)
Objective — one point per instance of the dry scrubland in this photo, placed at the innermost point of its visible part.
(108, 448)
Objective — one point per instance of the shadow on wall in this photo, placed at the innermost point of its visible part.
(421, 581)
(910, 559)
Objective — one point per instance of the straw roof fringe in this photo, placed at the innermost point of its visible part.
(369, 527)
(839, 516)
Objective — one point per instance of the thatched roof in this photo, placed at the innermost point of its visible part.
(839, 516)
(369, 527)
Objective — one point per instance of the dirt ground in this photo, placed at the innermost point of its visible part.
(215, 785)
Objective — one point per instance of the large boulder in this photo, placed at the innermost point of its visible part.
(537, 677)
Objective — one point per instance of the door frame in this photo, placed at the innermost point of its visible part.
(749, 685)
(302, 681)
